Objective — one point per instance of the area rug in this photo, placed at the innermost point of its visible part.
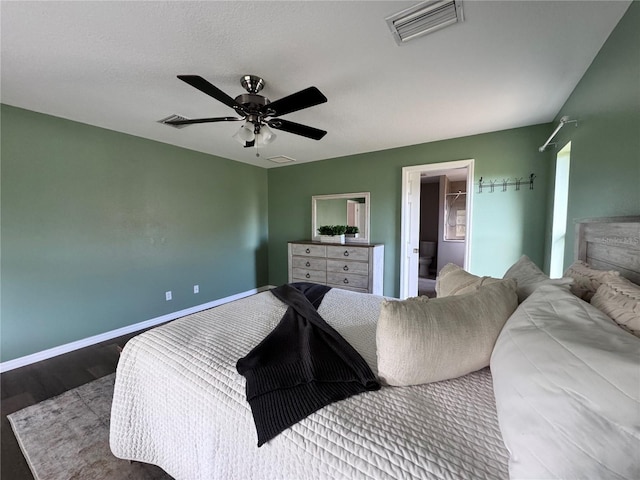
(67, 437)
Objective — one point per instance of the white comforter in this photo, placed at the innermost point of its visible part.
(567, 387)
(179, 403)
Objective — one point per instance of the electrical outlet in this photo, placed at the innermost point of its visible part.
(196, 289)
(167, 295)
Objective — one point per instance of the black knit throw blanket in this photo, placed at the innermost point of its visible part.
(301, 366)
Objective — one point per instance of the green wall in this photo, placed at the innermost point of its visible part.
(604, 178)
(97, 225)
(505, 224)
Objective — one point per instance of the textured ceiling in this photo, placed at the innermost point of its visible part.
(114, 65)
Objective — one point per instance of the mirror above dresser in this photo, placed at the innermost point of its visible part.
(351, 209)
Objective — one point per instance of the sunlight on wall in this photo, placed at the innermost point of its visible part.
(560, 202)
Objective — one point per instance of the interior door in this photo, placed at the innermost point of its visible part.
(412, 234)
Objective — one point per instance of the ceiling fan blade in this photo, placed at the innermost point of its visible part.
(297, 128)
(202, 120)
(211, 90)
(297, 101)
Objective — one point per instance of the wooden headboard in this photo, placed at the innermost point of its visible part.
(610, 243)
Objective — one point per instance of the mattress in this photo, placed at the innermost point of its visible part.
(179, 403)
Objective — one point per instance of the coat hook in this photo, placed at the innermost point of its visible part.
(518, 181)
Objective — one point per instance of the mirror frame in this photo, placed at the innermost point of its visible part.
(363, 237)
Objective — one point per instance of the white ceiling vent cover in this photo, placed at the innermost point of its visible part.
(281, 159)
(171, 118)
(423, 18)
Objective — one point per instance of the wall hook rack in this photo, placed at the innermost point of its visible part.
(505, 183)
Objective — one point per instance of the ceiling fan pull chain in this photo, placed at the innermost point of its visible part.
(256, 132)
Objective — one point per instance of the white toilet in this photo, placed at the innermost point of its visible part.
(427, 252)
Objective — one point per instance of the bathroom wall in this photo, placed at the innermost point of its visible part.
(429, 211)
(429, 216)
(449, 251)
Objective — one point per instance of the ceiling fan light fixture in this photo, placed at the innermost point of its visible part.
(265, 136)
(246, 133)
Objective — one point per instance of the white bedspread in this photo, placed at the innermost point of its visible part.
(179, 403)
(567, 386)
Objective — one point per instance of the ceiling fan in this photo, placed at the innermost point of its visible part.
(257, 111)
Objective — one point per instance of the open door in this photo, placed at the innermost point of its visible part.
(410, 228)
(410, 234)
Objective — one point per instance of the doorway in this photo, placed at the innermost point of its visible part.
(420, 259)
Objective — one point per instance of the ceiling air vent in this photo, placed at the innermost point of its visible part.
(172, 118)
(423, 18)
(281, 159)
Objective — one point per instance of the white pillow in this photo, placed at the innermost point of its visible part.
(454, 280)
(530, 277)
(423, 340)
(620, 299)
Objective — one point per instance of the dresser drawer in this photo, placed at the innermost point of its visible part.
(309, 250)
(347, 280)
(306, 275)
(347, 266)
(311, 263)
(344, 287)
(351, 253)
(356, 267)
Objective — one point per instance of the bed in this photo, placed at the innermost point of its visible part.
(180, 403)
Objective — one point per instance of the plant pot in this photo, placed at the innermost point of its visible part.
(350, 237)
(332, 239)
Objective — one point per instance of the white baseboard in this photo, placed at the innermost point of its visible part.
(85, 342)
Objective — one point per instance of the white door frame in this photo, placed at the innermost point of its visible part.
(409, 245)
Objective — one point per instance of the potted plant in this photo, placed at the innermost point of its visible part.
(351, 231)
(332, 233)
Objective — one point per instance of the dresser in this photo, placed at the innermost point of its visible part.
(357, 267)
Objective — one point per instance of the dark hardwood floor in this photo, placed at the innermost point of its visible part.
(39, 381)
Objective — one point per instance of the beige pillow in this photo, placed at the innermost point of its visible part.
(530, 277)
(454, 280)
(423, 340)
(586, 279)
(620, 299)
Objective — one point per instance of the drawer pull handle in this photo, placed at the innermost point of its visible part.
(308, 250)
(346, 253)
(346, 268)
(308, 275)
(308, 264)
(346, 280)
